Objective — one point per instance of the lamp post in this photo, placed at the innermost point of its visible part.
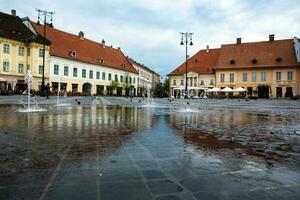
(46, 14)
(186, 39)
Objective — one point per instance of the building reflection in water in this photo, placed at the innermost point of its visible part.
(79, 130)
(217, 131)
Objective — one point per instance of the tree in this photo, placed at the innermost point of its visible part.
(126, 85)
(114, 85)
(165, 87)
(158, 90)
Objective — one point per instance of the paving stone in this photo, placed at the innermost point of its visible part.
(168, 197)
(164, 187)
(153, 174)
(125, 191)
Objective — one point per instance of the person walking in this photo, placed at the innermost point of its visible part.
(47, 90)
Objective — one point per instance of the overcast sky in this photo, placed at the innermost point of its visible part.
(148, 30)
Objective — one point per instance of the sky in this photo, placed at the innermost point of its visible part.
(149, 30)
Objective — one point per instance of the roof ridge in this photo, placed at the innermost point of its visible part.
(258, 42)
(65, 32)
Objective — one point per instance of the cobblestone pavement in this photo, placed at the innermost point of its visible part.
(120, 148)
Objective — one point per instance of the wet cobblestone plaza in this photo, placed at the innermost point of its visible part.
(117, 148)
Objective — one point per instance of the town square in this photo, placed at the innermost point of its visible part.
(158, 100)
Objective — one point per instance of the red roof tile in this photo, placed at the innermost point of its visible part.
(87, 51)
(202, 63)
(267, 54)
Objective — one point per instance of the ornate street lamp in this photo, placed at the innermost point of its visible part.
(46, 14)
(187, 40)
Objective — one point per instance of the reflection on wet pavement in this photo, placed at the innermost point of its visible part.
(113, 152)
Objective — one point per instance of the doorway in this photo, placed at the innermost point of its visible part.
(263, 91)
(279, 92)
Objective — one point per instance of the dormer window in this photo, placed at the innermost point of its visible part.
(232, 61)
(73, 54)
(278, 59)
(254, 61)
(101, 61)
(196, 60)
(123, 66)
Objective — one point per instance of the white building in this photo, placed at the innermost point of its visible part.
(80, 65)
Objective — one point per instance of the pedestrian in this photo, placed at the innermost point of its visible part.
(47, 90)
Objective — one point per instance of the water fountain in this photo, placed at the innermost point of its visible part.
(58, 102)
(150, 101)
(29, 80)
(95, 100)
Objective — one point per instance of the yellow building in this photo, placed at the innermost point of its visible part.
(200, 75)
(20, 50)
(147, 78)
(266, 69)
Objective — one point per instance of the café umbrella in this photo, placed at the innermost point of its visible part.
(227, 89)
(239, 89)
(215, 89)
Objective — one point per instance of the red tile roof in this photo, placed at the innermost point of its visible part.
(278, 53)
(87, 51)
(202, 62)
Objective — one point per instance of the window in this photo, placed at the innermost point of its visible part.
(263, 76)
(28, 66)
(21, 51)
(290, 76)
(6, 48)
(109, 77)
(28, 51)
(181, 82)
(83, 73)
(126, 79)
(41, 70)
(103, 75)
(211, 82)
(245, 76)
(254, 74)
(133, 80)
(231, 77)
(222, 78)
(121, 78)
(202, 82)
(97, 75)
(116, 77)
(41, 52)
(74, 72)
(174, 82)
(278, 76)
(56, 70)
(5, 66)
(20, 68)
(66, 71)
(130, 80)
(91, 74)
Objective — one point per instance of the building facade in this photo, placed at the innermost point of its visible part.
(20, 50)
(200, 76)
(265, 69)
(147, 78)
(82, 66)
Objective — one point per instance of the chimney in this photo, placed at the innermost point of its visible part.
(14, 12)
(271, 37)
(207, 48)
(81, 35)
(103, 43)
(239, 40)
(119, 48)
